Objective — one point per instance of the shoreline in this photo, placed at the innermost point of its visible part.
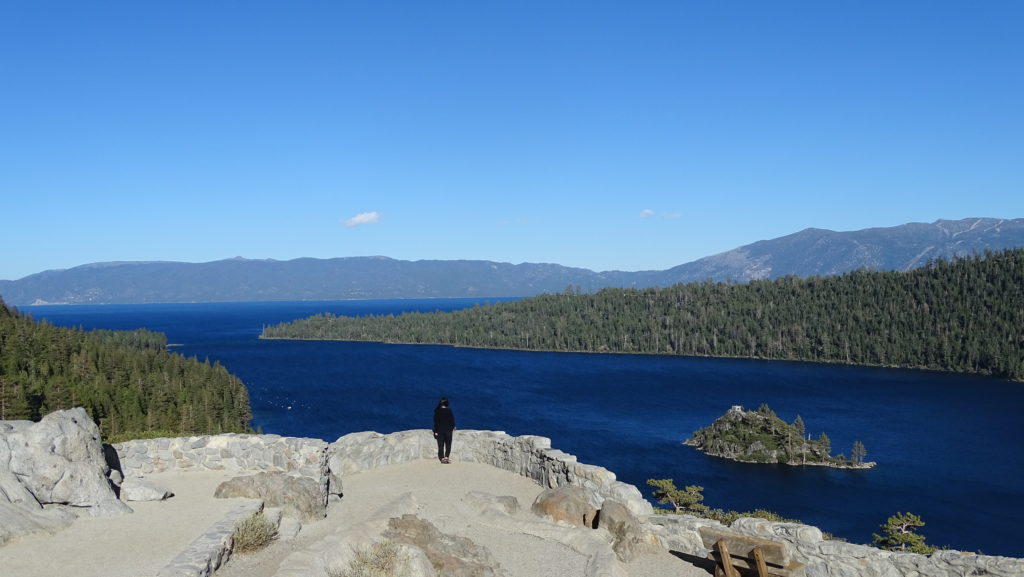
(852, 466)
(261, 337)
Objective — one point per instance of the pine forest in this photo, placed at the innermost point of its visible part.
(964, 315)
(128, 381)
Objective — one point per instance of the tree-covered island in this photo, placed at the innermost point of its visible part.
(762, 437)
(965, 315)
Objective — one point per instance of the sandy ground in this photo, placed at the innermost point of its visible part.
(440, 496)
(139, 544)
(133, 545)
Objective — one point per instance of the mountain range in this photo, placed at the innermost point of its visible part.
(809, 252)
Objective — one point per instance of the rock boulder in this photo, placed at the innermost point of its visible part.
(567, 503)
(449, 554)
(298, 497)
(630, 540)
(58, 460)
(136, 489)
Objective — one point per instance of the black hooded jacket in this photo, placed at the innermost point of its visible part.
(444, 419)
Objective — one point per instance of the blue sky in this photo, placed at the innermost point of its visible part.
(603, 135)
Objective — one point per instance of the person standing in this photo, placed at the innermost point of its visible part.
(444, 426)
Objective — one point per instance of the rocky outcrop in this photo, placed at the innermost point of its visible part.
(57, 461)
(827, 558)
(630, 538)
(448, 554)
(567, 504)
(298, 497)
(60, 462)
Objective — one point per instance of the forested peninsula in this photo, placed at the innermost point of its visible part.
(964, 315)
(127, 381)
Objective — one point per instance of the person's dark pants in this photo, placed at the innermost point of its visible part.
(444, 444)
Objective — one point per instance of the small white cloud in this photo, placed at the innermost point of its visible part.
(648, 213)
(362, 218)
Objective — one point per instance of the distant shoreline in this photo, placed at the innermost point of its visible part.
(649, 354)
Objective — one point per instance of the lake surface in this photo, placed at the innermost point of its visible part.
(947, 446)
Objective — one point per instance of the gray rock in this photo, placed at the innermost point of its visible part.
(11, 488)
(568, 503)
(59, 460)
(630, 540)
(16, 521)
(109, 508)
(289, 528)
(298, 497)
(451, 555)
(135, 489)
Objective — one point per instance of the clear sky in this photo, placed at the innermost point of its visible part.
(604, 135)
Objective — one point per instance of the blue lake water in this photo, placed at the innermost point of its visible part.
(947, 446)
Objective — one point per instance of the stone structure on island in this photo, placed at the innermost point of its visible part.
(51, 460)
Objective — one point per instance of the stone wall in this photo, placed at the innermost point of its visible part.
(529, 456)
(826, 558)
(232, 452)
(532, 457)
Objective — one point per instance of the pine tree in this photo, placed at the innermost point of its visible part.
(824, 445)
(688, 499)
(899, 535)
(858, 452)
(799, 430)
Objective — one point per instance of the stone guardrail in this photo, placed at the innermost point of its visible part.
(232, 451)
(532, 457)
(527, 455)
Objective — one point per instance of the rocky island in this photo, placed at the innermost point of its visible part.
(762, 437)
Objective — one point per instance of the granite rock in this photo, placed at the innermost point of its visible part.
(298, 497)
(568, 503)
(136, 489)
(58, 460)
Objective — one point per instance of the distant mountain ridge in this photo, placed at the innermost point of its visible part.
(819, 252)
(806, 253)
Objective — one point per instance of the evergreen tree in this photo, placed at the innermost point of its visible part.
(824, 445)
(858, 452)
(797, 439)
(683, 500)
(899, 535)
